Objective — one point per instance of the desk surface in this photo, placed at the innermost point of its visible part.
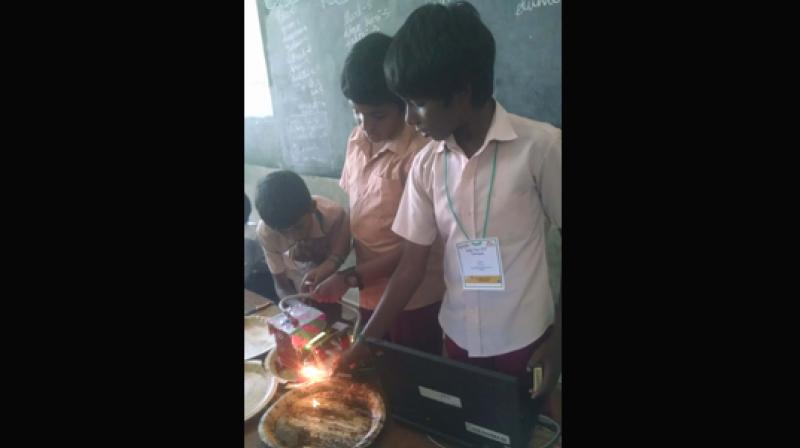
(394, 434)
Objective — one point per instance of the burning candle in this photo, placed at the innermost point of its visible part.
(314, 402)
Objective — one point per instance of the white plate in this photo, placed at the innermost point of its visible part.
(259, 388)
(257, 339)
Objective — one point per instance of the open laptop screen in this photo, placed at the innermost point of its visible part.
(460, 403)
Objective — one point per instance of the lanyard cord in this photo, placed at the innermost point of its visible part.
(488, 200)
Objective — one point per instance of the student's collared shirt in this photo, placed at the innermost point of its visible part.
(526, 194)
(373, 176)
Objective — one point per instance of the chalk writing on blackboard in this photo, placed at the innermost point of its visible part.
(362, 20)
(306, 121)
(272, 4)
(308, 42)
(529, 5)
(333, 2)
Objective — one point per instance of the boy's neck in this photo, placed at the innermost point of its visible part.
(472, 133)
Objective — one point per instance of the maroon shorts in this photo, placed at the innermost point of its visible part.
(512, 363)
(418, 329)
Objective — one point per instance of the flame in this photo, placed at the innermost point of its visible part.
(314, 403)
(312, 372)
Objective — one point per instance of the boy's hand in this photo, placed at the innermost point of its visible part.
(354, 357)
(331, 289)
(548, 357)
(317, 275)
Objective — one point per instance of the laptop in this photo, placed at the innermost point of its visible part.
(452, 401)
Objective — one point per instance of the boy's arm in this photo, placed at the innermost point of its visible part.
(401, 288)
(340, 248)
(283, 285)
(335, 286)
(398, 293)
(548, 179)
(548, 355)
(382, 266)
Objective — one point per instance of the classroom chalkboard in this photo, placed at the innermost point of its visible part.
(308, 40)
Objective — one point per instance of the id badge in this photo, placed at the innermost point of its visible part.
(481, 266)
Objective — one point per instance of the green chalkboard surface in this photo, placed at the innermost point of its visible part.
(306, 44)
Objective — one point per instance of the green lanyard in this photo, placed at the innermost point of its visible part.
(488, 200)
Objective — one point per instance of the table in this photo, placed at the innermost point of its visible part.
(393, 435)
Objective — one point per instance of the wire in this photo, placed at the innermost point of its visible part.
(552, 425)
(435, 442)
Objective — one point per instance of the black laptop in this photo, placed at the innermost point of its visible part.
(452, 401)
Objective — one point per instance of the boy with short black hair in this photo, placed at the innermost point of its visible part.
(487, 185)
(379, 154)
(305, 238)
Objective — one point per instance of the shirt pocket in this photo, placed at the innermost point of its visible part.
(391, 191)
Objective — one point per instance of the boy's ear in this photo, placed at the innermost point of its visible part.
(313, 205)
